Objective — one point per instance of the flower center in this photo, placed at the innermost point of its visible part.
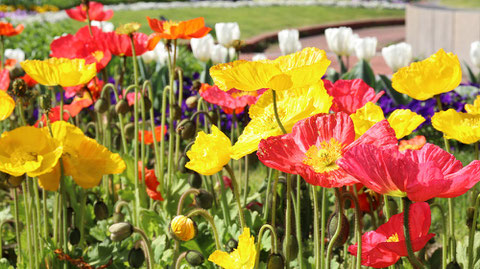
(22, 157)
(322, 158)
(393, 238)
(98, 55)
(168, 25)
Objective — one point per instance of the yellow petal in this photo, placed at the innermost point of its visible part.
(463, 127)
(365, 117)
(422, 80)
(210, 152)
(475, 108)
(241, 258)
(50, 181)
(60, 71)
(305, 67)
(7, 105)
(245, 75)
(404, 122)
(223, 259)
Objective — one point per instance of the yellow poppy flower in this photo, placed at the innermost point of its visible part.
(475, 108)
(403, 121)
(83, 158)
(296, 70)
(183, 228)
(365, 117)
(243, 257)
(210, 152)
(28, 150)
(422, 80)
(464, 127)
(60, 71)
(292, 106)
(7, 104)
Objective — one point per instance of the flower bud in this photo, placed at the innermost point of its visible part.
(101, 106)
(275, 261)
(470, 213)
(176, 112)
(204, 199)
(183, 160)
(74, 236)
(292, 248)
(19, 87)
(227, 32)
(344, 229)
(183, 228)
(14, 182)
(194, 258)
(231, 245)
(195, 180)
(191, 101)
(129, 130)
(398, 55)
(213, 116)
(136, 257)
(201, 47)
(147, 102)
(288, 41)
(118, 217)
(45, 103)
(339, 40)
(453, 265)
(475, 53)
(120, 231)
(196, 86)
(187, 129)
(365, 48)
(101, 210)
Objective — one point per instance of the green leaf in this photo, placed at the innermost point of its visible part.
(471, 75)
(363, 71)
(158, 246)
(397, 97)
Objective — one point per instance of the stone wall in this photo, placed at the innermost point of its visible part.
(429, 28)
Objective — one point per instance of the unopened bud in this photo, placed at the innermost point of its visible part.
(120, 231)
(195, 180)
(129, 130)
(74, 236)
(191, 101)
(176, 112)
(147, 102)
(204, 199)
(183, 228)
(187, 129)
(194, 258)
(275, 261)
(344, 229)
(101, 210)
(196, 85)
(122, 107)
(136, 257)
(231, 245)
(19, 87)
(101, 106)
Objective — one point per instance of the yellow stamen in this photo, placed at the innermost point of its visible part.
(322, 159)
(393, 238)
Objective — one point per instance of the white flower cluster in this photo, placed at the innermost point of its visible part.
(343, 42)
(205, 49)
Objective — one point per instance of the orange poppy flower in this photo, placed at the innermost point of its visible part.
(6, 29)
(194, 28)
(159, 134)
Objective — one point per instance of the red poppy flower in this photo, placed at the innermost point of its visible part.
(418, 174)
(367, 199)
(120, 44)
(227, 182)
(415, 143)
(92, 89)
(232, 100)
(316, 143)
(83, 45)
(350, 95)
(6, 29)
(194, 28)
(95, 12)
(150, 182)
(29, 80)
(384, 246)
(4, 80)
(70, 110)
(159, 134)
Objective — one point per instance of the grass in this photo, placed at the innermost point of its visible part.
(461, 3)
(256, 20)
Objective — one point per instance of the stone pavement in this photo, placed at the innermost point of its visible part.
(386, 35)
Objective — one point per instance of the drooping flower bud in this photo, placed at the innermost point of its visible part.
(120, 231)
(183, 228)
(187, 129)
(275, 261)
(195, 180)
(101, 106)
(194, 258)
(101, 210)
(204, 199)
(136, 257)
(344, 229)
(122, 107)
(231, 245)
(129, 130)
(74, 236)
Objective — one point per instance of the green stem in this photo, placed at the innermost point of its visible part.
(471, 237)
(209, 218)
(83, 202)
(156, 149)
(35, 235)
(386, 207)
(406, 230)
(245, 182)
(298, 220)
(17, 224)
(236, 193)
(288, 221)
(259, 241)
(358, 227)
(445, 234)
(334, 238)
(27, 221)
(274, 199)
(136, 208)
(322, 227)
(179, 103)
(171, 99)
(316, 229)
(275, 110)
(266, 209)
(179, 259)
(2, 51)
(223, 201)
(183, 197)
(162, 142)
(147, 245)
